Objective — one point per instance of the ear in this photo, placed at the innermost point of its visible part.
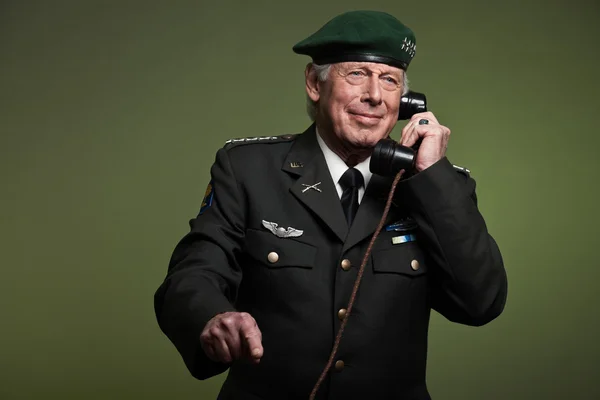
(312, 82)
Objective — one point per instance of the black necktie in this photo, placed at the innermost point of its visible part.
(350, 182)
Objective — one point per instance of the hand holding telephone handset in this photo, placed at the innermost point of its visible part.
(388, 156)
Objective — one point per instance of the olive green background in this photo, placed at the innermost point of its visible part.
(111, 113)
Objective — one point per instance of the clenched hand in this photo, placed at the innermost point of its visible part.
(232, 336)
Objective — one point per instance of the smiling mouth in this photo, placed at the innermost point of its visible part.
(366, 116)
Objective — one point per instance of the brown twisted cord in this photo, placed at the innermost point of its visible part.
(338, 338)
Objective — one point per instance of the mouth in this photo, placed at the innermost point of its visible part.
(366, 117)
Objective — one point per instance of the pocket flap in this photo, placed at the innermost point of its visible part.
(277, 252)
(406, 259)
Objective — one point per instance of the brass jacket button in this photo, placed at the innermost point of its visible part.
(342, 313)
(346, 264)
(273, 257)
(339, 365)
(414, 264)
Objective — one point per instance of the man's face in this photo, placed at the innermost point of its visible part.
(358, 103)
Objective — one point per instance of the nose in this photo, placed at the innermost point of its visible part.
(372, 93)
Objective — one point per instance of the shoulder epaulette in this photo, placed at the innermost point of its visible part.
(462, 170)
(260, 139)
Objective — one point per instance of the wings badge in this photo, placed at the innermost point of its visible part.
(281, 232)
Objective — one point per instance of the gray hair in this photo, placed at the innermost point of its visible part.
(322, 74)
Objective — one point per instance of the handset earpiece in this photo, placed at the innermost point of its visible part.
(412, 103)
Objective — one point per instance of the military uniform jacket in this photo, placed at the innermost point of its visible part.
(223, 264)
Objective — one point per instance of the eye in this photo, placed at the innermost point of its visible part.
(390, 80)
(356, 73)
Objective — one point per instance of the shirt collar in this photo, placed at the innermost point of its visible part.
(337, 166)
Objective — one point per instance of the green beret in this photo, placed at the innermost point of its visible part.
(369, 36)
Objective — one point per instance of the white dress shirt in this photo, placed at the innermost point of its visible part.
(337, 167)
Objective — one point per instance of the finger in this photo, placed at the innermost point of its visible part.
(254, 343)
(410, 136)
(247, 350)
(428, 115)
(210, 335)
(405, 132)
(439, 132)
(423, 125)
(230, 326)
(214, 340)
(234, 344)
(425, 130)
(222, 351)
(209, 350)
(252, 337)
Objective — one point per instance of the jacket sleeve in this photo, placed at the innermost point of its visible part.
(203, 274)
(469, 283)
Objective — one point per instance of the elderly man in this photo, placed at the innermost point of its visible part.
(261, 283)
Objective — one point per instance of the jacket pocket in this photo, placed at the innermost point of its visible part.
(276, 252)
(405, 259)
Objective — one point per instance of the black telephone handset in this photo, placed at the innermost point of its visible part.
(388, 156)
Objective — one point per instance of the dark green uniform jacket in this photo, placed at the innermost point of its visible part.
(223, 265)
